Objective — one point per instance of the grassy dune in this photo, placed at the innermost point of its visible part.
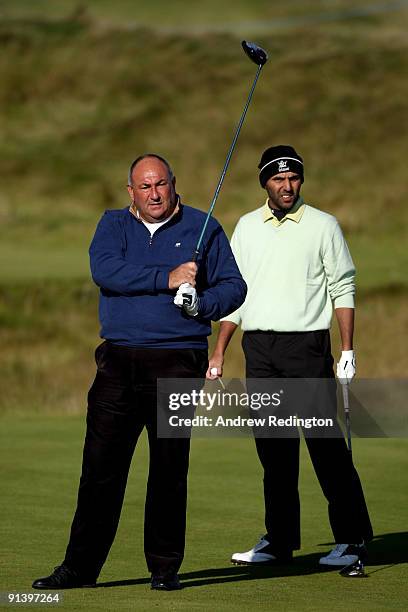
(78, 102)
(188, 15)
(80, 98)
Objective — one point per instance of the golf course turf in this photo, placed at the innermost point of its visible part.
(40, 459)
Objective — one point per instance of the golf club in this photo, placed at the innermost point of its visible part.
(259, 57)
(345, 390)
(214, 372)
(354, 570)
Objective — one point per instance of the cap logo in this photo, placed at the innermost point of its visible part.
(283, 166)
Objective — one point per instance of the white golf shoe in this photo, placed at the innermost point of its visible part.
(260, 554)
(344, 554)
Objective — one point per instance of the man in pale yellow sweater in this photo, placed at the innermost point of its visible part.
(297, 266)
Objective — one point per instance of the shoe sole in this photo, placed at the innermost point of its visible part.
(64, 588)
(163, 588)
(337, 565)
(259, 563)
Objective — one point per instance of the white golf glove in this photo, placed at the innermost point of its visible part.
(187, 298)
(346, 368)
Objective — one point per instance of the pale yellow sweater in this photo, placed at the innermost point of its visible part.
(296, 270)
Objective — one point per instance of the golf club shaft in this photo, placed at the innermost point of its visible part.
(346, 405)
(221, 383)
(227, 161)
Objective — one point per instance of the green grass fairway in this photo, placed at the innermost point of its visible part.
(40, 459)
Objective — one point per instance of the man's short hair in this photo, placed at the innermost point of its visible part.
(138, 159)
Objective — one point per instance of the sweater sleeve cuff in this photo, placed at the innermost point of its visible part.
(162, 281)
(234, 317)
(344, 301)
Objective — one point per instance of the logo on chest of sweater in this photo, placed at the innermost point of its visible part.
(178, 244)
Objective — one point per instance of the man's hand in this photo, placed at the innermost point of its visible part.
(346, 368)
(185, 273)
(215, 365)
(225, 333)
(187, 298)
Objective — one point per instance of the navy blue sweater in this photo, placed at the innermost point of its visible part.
(132, 270)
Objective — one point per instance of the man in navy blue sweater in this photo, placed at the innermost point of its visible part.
(140, 256)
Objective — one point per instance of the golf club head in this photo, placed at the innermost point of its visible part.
(354, 570)
(258, 55)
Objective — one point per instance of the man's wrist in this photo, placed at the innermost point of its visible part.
(162, 280)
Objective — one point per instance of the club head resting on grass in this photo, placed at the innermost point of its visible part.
(354, 570)
(258, 55)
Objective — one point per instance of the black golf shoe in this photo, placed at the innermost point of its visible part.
(170, 582)
(62, 578)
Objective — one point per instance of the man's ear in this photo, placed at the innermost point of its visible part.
(130, 192)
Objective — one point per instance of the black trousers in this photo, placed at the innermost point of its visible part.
(303, 355)
(121, 402)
